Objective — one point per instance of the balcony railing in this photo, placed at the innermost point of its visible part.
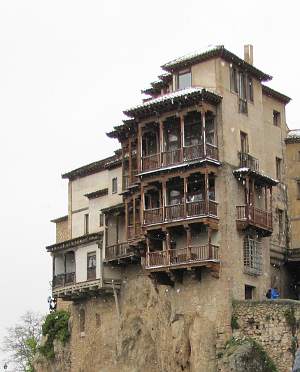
(64, 279)
(182, 256)
(134, 231)
(255, 216)
(126, 179)
(180, 211)
(248, 161)
(153, 215)
(178, 156)
(117, 251)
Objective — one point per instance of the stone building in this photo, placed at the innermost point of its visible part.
(195, 201)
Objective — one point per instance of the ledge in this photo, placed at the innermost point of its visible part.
(71, 243)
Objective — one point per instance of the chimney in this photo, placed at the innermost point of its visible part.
(248, 53)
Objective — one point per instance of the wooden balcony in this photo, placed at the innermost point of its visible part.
(202, 255)
(250, 216)
(127, 181)
(118, 251)
(181, 211)
(179, 156)
(134, 231)
(62, 280)
(248, 161)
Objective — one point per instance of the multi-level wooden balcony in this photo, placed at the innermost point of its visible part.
(179, 156)
(118, 252)
(181, 211)
(200, 255)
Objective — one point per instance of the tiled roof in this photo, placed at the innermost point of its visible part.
(213, 52)
(168, 101)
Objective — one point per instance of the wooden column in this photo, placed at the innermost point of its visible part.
(206, 190)
(161, 141)
(168, 247)
(142, 205)
(185, 190)
(271, 200)
(139, 149)
(148, 251)
(126, 220)
(266, 198)
(253, 192)
(117, 229)
(202, 111)
(164, 197)
(209, 243)
(134, 212)
(181, 136)
(188, 242)
(129, 161)
(123, 166)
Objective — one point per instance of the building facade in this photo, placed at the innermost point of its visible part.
(195, 199)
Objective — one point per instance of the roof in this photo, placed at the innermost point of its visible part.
(293, 136)
(274, 94)
(113, 208)
(97, 194)
(259, 177)
(95, 167)
(72, 243)
(171, 101)
(209, 53)
(60, 219)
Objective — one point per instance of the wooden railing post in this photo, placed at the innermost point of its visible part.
(188, 242)
(202, 111)
(209, 243)
(206, 189)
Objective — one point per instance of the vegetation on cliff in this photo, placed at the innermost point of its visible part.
(55, 327)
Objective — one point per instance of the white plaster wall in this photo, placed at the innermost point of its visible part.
(81, 261)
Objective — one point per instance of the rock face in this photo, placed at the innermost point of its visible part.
(245, 357)
(174, 329)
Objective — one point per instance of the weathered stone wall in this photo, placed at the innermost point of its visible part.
(274, 324)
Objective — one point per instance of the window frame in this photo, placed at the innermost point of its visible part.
(252, 256)
(278, 168)
(114, 185)
(182, 73)
(91, 270)
(101, 219)
(276, 118)
(86, 223)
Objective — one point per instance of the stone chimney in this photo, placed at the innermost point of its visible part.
(248, 53)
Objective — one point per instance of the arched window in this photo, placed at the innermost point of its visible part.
(82, 321)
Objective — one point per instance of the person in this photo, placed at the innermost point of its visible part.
(274, 293)
(268, 294)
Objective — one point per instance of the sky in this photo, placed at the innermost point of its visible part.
(67, 70)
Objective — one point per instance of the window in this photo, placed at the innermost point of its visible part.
(298, 155)
(81, 322)
(233, 80)
(280, 215)
(298, 189)
(278, 168)
(114, 185)
(252, 256)
(86, 224)
(101, 220)
(184, 80)
(210, 129)
(91, 266)
(276, 118)
(249, 292)
(244, 143)
(250, 89)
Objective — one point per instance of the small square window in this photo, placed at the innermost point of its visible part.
(249, 292)
(184, 80)
(276, 118)
(101, 220)
(86, 224)
(278, 168)
(298, 189)
(115, 185)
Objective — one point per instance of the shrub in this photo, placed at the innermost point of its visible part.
(55, 327)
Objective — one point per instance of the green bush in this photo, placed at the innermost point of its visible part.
(55, 327)
(234, 323)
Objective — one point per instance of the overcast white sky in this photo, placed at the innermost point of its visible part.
(68, 69)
